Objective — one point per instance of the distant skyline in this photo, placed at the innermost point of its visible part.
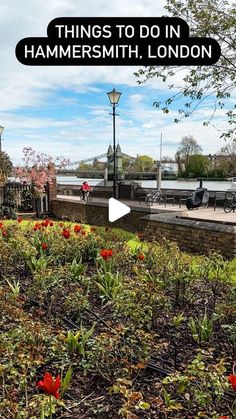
(64, 111)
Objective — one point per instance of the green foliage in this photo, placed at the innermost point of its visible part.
(143, 164)
(200, 387)
(66, 382)
(77, 342)
(198, 165)
(39, 264)
(6, 165)
(202, 329)
(14, 287)
(205, 19)
(143, 320)
(132, 400)
(109, 284)
(77, 269)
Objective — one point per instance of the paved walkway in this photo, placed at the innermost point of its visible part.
(206, 214)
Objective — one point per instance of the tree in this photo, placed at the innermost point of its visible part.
(229, 151)
(5, 166)
(198, 165)
(206, 19)
(188, 147)
(143, 164)
(38, 170)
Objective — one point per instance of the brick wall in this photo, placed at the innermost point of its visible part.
(190, 235)
(193, 236)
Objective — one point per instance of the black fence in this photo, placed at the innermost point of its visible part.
(19, 197)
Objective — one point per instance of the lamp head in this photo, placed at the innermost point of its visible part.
(114, 97)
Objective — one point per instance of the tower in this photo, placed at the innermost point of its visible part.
(110, 156)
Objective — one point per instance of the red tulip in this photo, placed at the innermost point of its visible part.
(224, 417)
(51, 223)
(92, 229)
(60, 224)
(66, 233)
(45, 223)
(141, 256)
(77, 228)
(232, 380)
(19, 219)
(1, 225)
(44, 246)
(83, 232)
(49, 385)
(4, 233)
(106, 253)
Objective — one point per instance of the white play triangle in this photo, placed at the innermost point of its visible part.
(116, 210)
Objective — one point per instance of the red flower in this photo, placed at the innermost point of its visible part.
(232, 380)
(51, 223)
(45, 223)
(141, 256)
(19, 219)
(60, 224)
(106, 253)
(77, 228)
(140, 236)
(44, 246)
(83, 232)
(92, 229)
(224, 417)
(66, 233)
(49, 385)
(1, 225)
(37, 226)
(4, 233)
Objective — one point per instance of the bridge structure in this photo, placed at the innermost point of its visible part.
(73, 167)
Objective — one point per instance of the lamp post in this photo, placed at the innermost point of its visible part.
(159, 165)
(114, 98)
(1, 131)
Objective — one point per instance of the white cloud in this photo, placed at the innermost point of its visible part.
(29, 94)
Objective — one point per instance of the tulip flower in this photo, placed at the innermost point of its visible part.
(44, 246)
(66, 233)
(77, 228)
(232, 380)
(141, 256)
(19, 219)
(49, 385)
(106, 253)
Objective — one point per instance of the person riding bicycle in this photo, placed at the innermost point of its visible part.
(85, 189)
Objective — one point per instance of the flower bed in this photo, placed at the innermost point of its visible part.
(97, 323)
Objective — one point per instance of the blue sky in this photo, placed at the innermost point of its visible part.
(64, 111)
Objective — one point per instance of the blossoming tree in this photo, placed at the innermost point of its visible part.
(38, 171)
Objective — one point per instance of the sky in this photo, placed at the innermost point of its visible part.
(65, 111)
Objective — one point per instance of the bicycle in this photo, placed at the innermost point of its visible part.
(88, 196)
(154, 196)
(230, 204)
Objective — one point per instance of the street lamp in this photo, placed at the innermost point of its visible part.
(1, 131)
(114, 98)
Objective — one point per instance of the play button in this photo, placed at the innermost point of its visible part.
(116, 210)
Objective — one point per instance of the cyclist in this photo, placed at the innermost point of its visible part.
(85, 190)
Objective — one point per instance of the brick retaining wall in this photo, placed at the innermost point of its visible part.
(190, 235)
